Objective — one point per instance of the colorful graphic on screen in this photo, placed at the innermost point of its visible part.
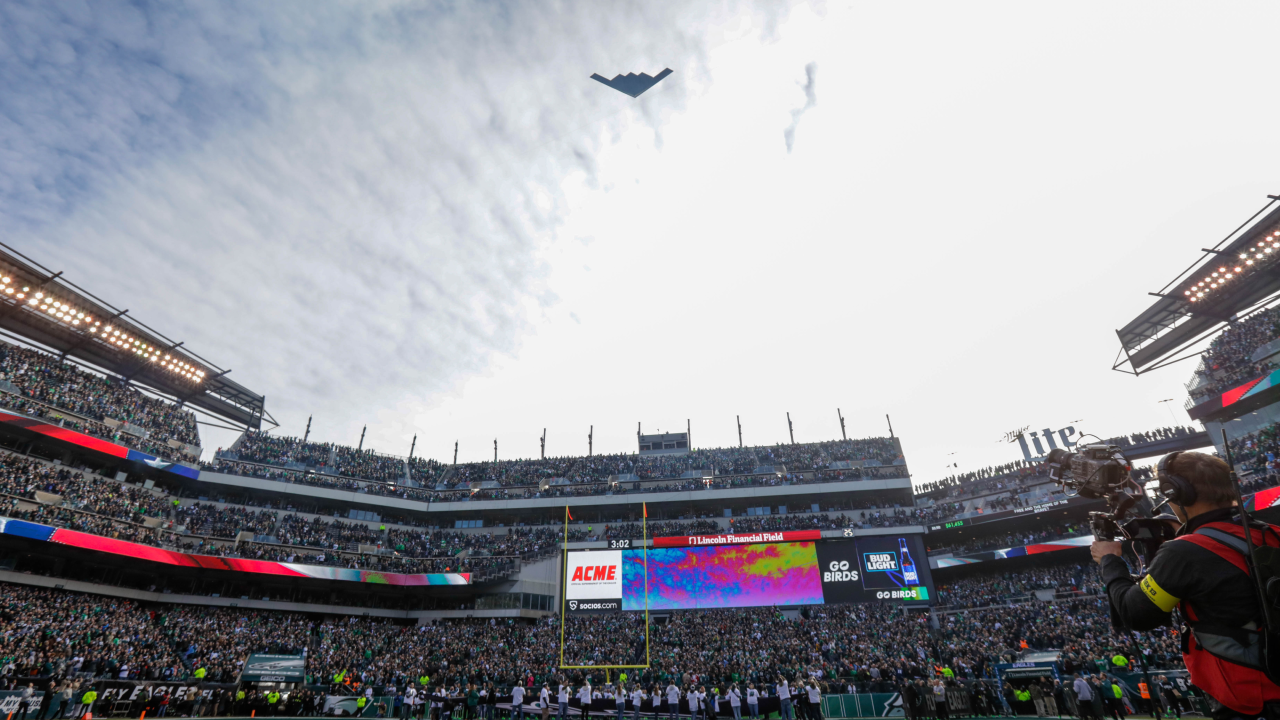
(723, 576)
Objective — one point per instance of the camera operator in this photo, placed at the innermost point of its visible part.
(1202, 573)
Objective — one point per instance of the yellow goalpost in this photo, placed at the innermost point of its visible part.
(564, 583)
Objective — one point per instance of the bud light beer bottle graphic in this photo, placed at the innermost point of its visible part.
(909, 575)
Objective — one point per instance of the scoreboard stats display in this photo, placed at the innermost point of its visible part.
(880, 568)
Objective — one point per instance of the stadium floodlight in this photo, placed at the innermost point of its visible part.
(42, 306)
(1234, 277)
(124, 342)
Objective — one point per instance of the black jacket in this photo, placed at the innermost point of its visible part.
(1182, 571)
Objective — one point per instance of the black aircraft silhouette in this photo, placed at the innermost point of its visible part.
(631, 83)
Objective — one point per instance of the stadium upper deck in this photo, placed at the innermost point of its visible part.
(878, 457)
(1235, 277)
(327, 478)
(44, 307)
(36, 383)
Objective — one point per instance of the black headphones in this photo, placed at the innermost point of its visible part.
(1175, 488)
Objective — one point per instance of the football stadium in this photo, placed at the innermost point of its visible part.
(177, 539)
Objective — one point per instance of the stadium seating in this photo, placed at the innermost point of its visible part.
(23, 477)
(1165, 433)
(720, 461)
(1255, 457)
(106, 507)
(1057, 531)
(464, 491)
(37, 383)
(746, 644)
(1015, 476)
(262, 455)
(259, 447)
(262, 448)
(1227, 362)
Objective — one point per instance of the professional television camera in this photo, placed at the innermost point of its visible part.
(1102, 472)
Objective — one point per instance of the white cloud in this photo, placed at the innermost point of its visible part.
(349, 207)
(385, 213)
(810, 99)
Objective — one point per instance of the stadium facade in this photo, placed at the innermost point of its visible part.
(105, 494)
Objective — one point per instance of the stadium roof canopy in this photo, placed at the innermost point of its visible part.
(42, 306)
(1230, 279)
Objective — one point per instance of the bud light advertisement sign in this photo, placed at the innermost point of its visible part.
(882, 568)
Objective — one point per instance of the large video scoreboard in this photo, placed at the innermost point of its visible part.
(725, 571)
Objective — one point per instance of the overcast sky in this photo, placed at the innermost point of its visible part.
(424, 217)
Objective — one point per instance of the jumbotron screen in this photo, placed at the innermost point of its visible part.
(882, 568)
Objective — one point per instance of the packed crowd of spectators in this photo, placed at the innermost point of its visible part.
(66, 420)
(661, 528)
(114, 509)
(323, 533)
(47, 379)
(46, 633)
(425, 471)
(1057, 531)
(23, 477)
(873, 472)
(315, 479)
(1164, 433)
(1016, 476)
(224, 522)
(378, 562)
(1228, 360)
(585, 488)
(720, 461)
(219, 640)
(1255, 457)
(80, 521)
(209, 530)
(1256, 452)
(261, 447)
(947, 509)
(368, 465)
(986, 618)
(995, 589)
(743, 645)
